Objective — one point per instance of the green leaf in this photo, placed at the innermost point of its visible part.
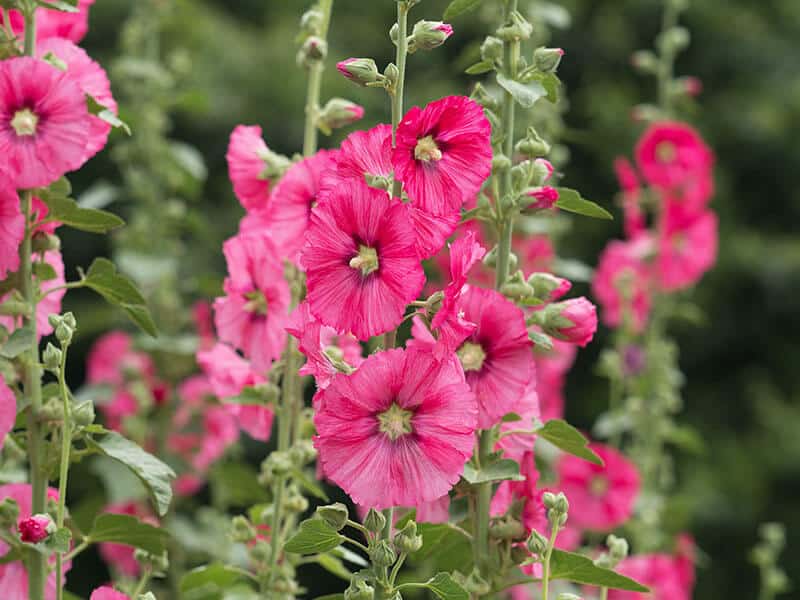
(445, 544)
(44, 271)
(571, 201)
(208, 582)
(526, 94)
(154, 474)
(565, 437)
(128, 530)
(330, 597)
(315, 536)
(580, 569)
(119, 290)
(550, 83)
(459, 7)
(480, 67)
(21, 340)
(445, 588)
(505, 469)
(59, 541)
(70, 6)
(104, 114)
(511, 418)
(67, 211)
(333, 565)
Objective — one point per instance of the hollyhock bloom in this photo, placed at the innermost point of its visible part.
(631, 194)
(8, 410)
(203, 318)
(91, 79)
(667, 577)
(671, 155)
(121, 556)
(361, 264)
(551, 369)
(573, 320)
(254, 419)
(123, 404)
(435, 511)
(514, 446)
(220, 431)
(327, 352)
(602, 496)
(686, 250)
(252, 315)
(112, 359)
(246, 165)
(107, 593)
(44, 122)
(12, 228)
(51, 303)
(35, 529)
(443, 153)
(13, 575)
(622, 283)
(398, 431)
(496, 357)
(227, 372)
(288, 213)
(535, 252)
(544, 197)
(56, 23)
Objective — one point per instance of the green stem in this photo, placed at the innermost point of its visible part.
(667, 63)
(311, 132)
(396, 569)
(66, 445)
(604, 593)
(546, 565)
(77, 550)
(481, 538)
(143, 581)
(397, 92)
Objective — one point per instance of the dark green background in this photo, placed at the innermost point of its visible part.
(743, 389)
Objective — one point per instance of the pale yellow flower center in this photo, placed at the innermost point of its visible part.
(25, 122)
(366, 260)
(427, 150)
(598, 486)
(256, 303)
(471, 356)
(395, 422)
(666, 152)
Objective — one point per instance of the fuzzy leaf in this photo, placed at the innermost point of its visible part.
(526, 94)
(207, 582)
(571, 201)
(69, 6)
(154, 474)
(67, 211)
(445, 588)
(315, 536)
(459, 7)
(128, 530)
(480, 67)
(333, 565)
(21, 340)
(44, 271)
(505, 469)
(565, 437)
(120, 291)
(580, 569)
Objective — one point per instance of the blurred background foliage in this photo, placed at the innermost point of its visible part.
(234, 62)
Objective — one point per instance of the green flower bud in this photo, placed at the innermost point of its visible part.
(567, 596)
(407, 540)
(428, 35)
(359, 590)
(295, 501)
(314, 49)
(507, 529)
(374, 521)
(51, 357)
(516, 287)
(484, 98)
(673, 40)
(532, 145)
(521, 175)
(394, 33)
(338, 113)
(53, 410)
(547, 59)
(260, 551)
(500, 163)
(64, 334)
(644, 61)
(44, 242)
(242, 531)
(617, 547)
(311, 21)
(359, 70)
(537, 543)
(382, 554)
(83, 414)
(492, 49)
(9, 513)
(54, 320)
(518, 29)
(475, 584)
(391, 73)
(147, 596)
(335, 515)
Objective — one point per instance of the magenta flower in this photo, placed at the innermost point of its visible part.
(55, 23)
(50, 304)
(91, 79)
(44, 122)
(107, 593)
(252, 315)
(35, 529)
(573, 320)
(601, 497)
(672, 155)
(515, 445)
(246, 165)
(496, 357)
(686, 250)
(668, 577)
(360, 259)
(631, 194)
(12, 228)
(622, 283)
(544, 197)
(398, 431)
(112, 360)
(443, 153)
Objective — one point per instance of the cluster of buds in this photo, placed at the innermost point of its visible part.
(314, 47)
(242, 530)
(617, 552)
(64, 326)
(359, 589)
(557, 507)
(407, 540)
(157, 564)
(765, 555)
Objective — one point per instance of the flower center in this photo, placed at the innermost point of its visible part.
(471, 356)
(666, 152)
(598, 486)
(25, 122)
(395, 422)
(427, 150)
(366, 260)
(256, 302)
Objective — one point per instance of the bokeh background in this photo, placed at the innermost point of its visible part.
(237, 59)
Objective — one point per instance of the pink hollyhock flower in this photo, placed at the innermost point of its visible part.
(602, 497)
(573, 320)
(327, 352)
(227, 372)
(443, 153)
(551, 369)
(288, 213)
(246, 165)
(123, 404)
(665, 575)
(39, 212)
(435, 511)
(631, 194)
(12, 228)
(35, 529)
(203, 317)
(535, 252)
(220, 431)
(252, 316)
(112, 360)
(51, 303)
(254, 419)
(514, 446)
(91, 79)
(361, 264)
(686, 250)
(107, 593)
(121, 556)
(672, 155)
(56, 23)
(431, 230)
(496, 357)
(398, 431)
(544, 197)
(44, 122)
(8, 410)
(13, 575)
(622, 283)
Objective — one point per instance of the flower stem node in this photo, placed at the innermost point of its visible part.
(362, 71)
(313, 50)
(242, 531)
(492, 49)
(519, 28)
(382, 554)
(407, 540)
(374, 521)
(359, 590)
(507, 529)
(335, 515)
(547, 60)
(338, 113)
(428, 35)
(532, 145)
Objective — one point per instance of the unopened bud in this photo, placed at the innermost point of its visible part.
(518, 29)
(359, 590)
(617, 547)
(314, 49)
(260, 552)
(500, 163)
(547, 59)
(548, 287)
(36, 529)
(374, 521)
(64, 334)
(311, 21)
(338, 113)
(242, 531)
(335, 515)
(532, 145)
(492, 49)
(541, 170)
(543, 197)
(674, 40)
(484, 98)
(51, 357)
(536, 543)
(391, 75)
(428, 35)
(359, 70)
(382, 554)
(84, 414)
(507, 529)
(644, 61)
(573, 320)
(394, 33)
(44, 242)
(568, 596)
(515, 287)
(407, 540)
(69, 320)
(475, 584)
(295, 501)
(691, 86)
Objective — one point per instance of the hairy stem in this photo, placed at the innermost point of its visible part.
(66, 445)
(311, 132)
(397, 92)
(546, 564)
(667, 63)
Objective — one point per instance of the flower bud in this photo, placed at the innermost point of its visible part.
(311, 21)
(532, 145)
(673, 40)
(428, 35)
(507, 529)
(359, 590)
(548, 287)
(573, 320)
(242, 531)
(617, 547)
(407, 540)
(44, 242)
(541, 171)
(54, 320)
(382, 554)
(51, 357)
(492, 49)
(69, 320)
(53, 410)
(9, 513)
(391, 74)
(295, 502)
(536, 543)
(475, 584)
(644, 61)
(64, 334)
(500, 163)
(374, 521)
(547, 59)
(516, 287)
(36, 529)
(568, 596)
(519, 28)
(691, 86)
(335, 515)
(359, 70)
(338, 113)
(261, 551)
(544, 197)
(314, 49)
